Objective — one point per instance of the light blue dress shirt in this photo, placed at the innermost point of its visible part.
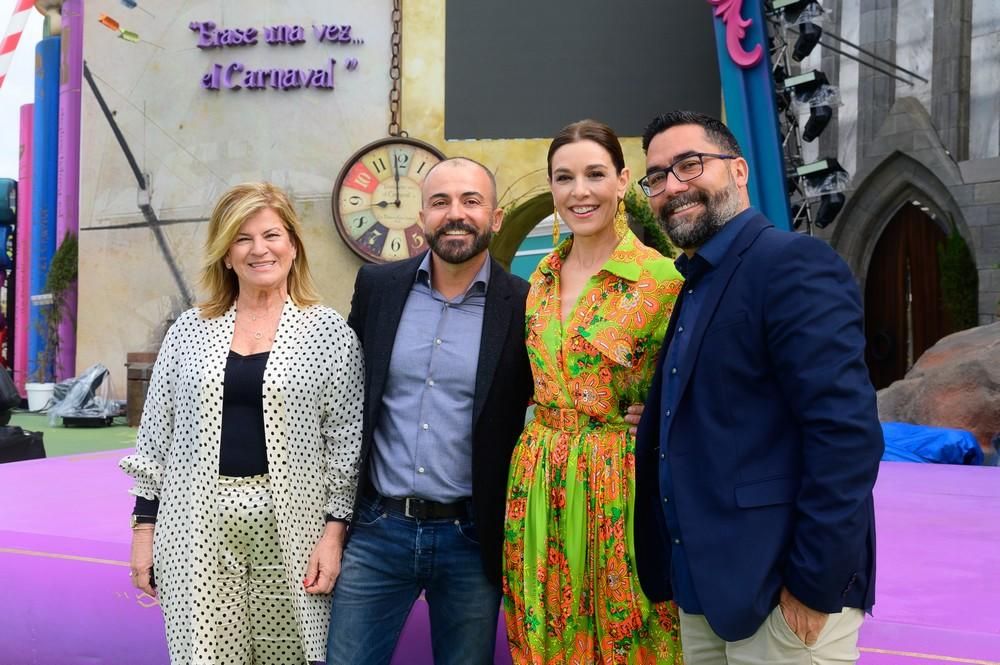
(423, 438)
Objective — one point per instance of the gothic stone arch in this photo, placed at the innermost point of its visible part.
(896, 180)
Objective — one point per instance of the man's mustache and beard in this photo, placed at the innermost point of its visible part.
(693, 232)
(455, 249)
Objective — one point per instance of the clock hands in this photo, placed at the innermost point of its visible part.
(395, 175)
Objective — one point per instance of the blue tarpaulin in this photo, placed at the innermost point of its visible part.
(934, 445)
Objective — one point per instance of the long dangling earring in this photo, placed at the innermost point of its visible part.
(555, 228)
(621, 220)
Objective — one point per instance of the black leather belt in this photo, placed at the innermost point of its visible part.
(421, 509)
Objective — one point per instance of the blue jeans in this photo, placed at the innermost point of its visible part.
(389, 560)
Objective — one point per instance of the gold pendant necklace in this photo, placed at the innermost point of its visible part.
(257, 334)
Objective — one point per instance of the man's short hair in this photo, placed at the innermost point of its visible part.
(456, 160)
(716, 131)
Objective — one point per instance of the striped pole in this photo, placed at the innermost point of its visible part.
(12, 36)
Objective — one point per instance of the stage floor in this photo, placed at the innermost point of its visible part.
(937, 597)
(66, 596)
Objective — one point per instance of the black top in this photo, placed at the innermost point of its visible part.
(242, 451)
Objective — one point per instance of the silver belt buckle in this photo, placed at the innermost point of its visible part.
(406, 508)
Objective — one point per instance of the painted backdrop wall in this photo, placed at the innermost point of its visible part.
(195, 142)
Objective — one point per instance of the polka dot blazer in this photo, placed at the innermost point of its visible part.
(313, 391)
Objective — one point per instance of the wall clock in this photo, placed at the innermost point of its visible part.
(377, 197)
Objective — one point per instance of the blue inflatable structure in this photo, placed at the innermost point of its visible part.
(934, 445)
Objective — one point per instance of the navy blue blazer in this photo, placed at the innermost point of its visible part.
(775, 443)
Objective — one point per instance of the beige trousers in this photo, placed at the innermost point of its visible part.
(774, 643)
(253, 608)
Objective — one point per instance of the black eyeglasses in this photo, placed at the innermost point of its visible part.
(684, 169)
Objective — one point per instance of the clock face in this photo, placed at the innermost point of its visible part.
(376, 200)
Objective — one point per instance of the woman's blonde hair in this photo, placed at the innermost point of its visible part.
(235, 207)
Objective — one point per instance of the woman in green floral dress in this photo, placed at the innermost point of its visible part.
(596, 315)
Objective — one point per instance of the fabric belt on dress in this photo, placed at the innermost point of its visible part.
(422, 509)
(567, 420)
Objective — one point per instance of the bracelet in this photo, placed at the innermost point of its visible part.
(136, 520)
(331, 518)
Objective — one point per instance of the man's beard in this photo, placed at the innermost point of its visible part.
(692, 233)
(455, 250)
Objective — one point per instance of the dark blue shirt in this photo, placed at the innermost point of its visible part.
(698, 272)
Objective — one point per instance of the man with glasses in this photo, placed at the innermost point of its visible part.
(447, 382)
(759, 444)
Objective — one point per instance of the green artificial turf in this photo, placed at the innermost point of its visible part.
(61, 440)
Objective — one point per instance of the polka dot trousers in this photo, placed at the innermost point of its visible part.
(253, 608)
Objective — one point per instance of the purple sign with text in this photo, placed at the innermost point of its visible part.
(237, 76)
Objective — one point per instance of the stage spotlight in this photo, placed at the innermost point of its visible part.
(805, 15)
(812, 89)
(806, 84)
(809, 34)
(829, 206)
(819, 118)
(826, 180)
(822, 177)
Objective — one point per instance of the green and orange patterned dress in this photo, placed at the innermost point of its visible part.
(571, 594)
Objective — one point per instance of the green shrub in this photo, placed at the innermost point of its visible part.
(959, 281)
(638, 209)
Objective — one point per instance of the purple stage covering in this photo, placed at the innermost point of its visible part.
(65, 596)
(937, 597)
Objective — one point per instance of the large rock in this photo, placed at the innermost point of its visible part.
(955, 383)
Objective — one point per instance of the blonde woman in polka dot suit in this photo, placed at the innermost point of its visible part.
(246, 459)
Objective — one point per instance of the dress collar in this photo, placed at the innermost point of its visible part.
(623, 262)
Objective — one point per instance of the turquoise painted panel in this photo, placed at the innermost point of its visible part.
(531, 251)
